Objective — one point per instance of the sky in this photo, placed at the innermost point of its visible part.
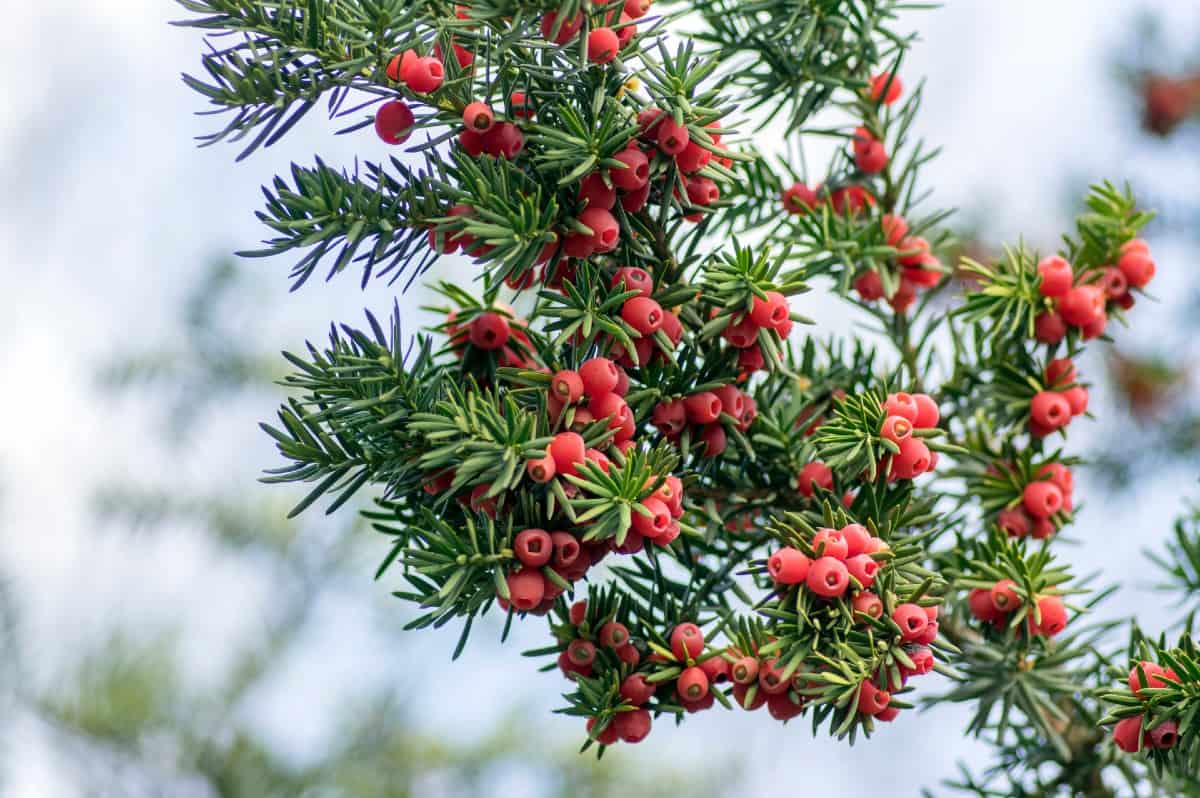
(110, 210)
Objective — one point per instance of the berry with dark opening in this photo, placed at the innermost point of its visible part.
(687, 641)
(828, 577)
(479, 117)
(788, 566)
(533, 547)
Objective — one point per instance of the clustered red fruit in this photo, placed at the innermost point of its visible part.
(1128, 734)
(1044, 500)
(917, 266)
(1062, 399)
(1084, 301)
(996, 606)
(906, 415)
(840, 564)
(838, 561)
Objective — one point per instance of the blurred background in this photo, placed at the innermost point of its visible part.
(163, 629)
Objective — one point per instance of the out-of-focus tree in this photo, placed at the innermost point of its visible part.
(127, 717)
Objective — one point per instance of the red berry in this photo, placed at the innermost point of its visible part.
(526, 588)
(637, 8)
(693, 159)
(631, 278)
(687, 641)
(1115, 283)
(567, 386)
(912, 251)
(814, 475)
(595, 193)
(716, 669)
(503, 139)
(632, 727)
(602, 45)
(863, 568)
(600, 376)
(857, 538)
(770, 678)
(692, 684)
(478, 116)
(770, 312)
(1042, 499)
(1054, 615)
(568, 450)
(471, 142)
(782, 707)
(928, 413)
(742, 335)
(904, 405)
(425, 75)
(896, 429)
(872, 159)
(712, 440)
(872, 700)
(1049, 410)
(1060, 372)
(895, 228)
(1014, 522)
(672, 137)
(636, 690)
(533, 547)
(613, 635)
(566, 549)
(1165, 734)
(1060, 475)
(868, 604)
(636, 174)
(541, 469)
(911, 619)
(642, 314)
(489, 331)
(733, 401)
(1004, 597)
(1083, 304)
(828, 577)
(654, 525)
(702, 191)
(578, 612)
(606, 233)
(611, 407)
(606, 737)
(669, 417)
(788, 566)
(1127, 734)
(1155, 676)
(829, 543)
(744, 671)
(703, 407)
(519, 105)
(981, 606)
(869, 285)
(1049, 327)
(581, 652)
(1138, 268)
(1077, 399)
(394, 122)
(1056, 275)
(799, 198)
(566, 29)
(886, 87)
(913, 460)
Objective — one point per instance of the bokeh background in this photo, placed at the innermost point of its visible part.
(163, 629)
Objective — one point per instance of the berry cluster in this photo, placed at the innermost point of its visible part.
(1085, 300)
(908, 416)
(1062, 399)
(1044, 502)
(997, 605)
(1129, 734)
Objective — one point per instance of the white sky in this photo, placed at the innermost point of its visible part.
(109, 210)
